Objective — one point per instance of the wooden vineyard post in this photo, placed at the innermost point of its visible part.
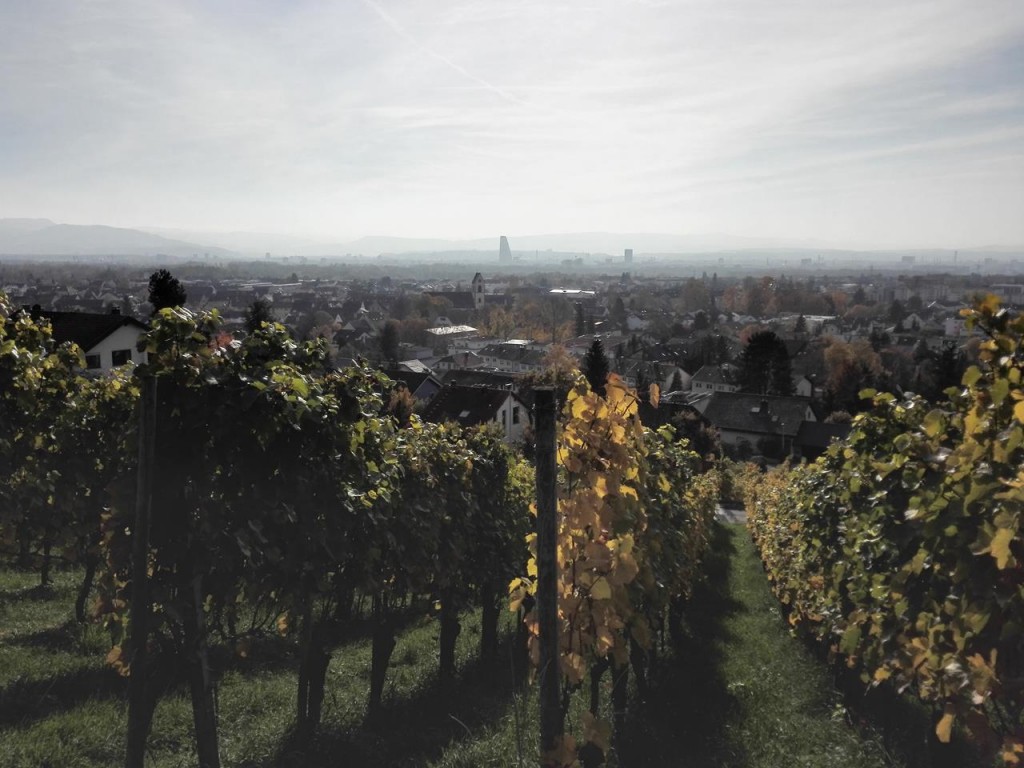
(551, 721)
(140, 699)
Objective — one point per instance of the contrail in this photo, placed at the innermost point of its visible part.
(400, 30)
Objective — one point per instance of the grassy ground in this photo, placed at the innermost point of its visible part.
(739, 692)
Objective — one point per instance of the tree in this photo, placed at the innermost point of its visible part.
(257, 314)
(801, 325)
(764, 365)
(560, 371)
(401, 307)
(704, 438)
(879, 339)
(618, 313)
(165, 291)
(596, 367)
(677, 382)
(580, 318)
(389, 341)
(500, 323)
(896, 312)
(695, 295)
(721, 350)
(850, 368)
(757, 295)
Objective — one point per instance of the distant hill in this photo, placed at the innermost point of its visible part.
(611, 243)
(24, 225)
(42, 237)
(247, 243)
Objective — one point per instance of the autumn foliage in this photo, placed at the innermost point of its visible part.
(902, 550)
(634, 518)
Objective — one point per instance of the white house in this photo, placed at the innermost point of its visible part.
(108, 340)
(470, 406)
(713, 378)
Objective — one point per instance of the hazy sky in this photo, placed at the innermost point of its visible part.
(892, 122)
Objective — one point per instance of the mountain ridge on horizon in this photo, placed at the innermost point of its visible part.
(44, 237)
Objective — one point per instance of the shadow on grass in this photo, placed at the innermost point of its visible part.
(414, 730)
(37, 593)
(64, 638)
(905, 727)
(269, 651)
(27, 701)
(688, 711)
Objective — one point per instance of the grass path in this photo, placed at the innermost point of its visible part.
(742, 691)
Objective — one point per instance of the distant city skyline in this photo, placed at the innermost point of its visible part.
(858, 124)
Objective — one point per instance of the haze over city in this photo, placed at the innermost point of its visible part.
(852, 125)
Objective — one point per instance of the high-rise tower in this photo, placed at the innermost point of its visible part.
(504, 252)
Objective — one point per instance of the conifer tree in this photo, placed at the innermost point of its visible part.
(596, 368)
(165, 291)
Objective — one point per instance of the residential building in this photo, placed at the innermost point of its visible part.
(107, 340)
(470, 406)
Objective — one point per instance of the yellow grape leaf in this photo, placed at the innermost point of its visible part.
(625, 543)
(945, 727)
(998, 391)
(882, 674)
(1018, 411)
(626, 569)
(579, 405)
(116, 659)
(1011, 749)
(654, 395)
(598, 555)
(282, 624)
(615, 390)
(601, 590)
(563, 755)
(663, 483)
(989, 305)
(604, 641)
(1001, 547)
(597, 732)
(573, 667)
(933, 423)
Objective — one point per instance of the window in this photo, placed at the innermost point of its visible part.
(121, 356)
(515, 414)
(92, 361)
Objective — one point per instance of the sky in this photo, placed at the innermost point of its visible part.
(859, 123)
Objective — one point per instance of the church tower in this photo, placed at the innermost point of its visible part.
(478, 291)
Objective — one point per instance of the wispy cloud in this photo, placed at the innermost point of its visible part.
(394, 116)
